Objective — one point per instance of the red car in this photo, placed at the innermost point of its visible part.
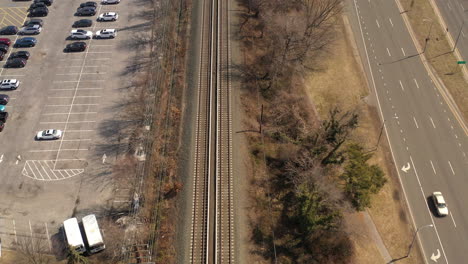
(5, 41)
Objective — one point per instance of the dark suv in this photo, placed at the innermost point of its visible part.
(22, 54)
(47, 2)
(2, 126)
(3, 117)
(34, 21)
(15, 63)
(86, 11)
(9, 30)
(83, 23)
(76, 46)
(39, 12)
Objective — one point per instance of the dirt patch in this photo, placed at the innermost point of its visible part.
(340, 81)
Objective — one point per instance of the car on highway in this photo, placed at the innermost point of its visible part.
(5, 41)
(110, 2)
(86, 11)
(47, 2)
(108, 16)
(30, 30)
(39, 12)
(3, 117)
(25, 42)
(9, 84)
(36, 5)
(34, 21)
(76, 46)
(439, 203)
(81, 34)
(83, 23)
(22, 54)
(4, 99)
(15, 63)
(9, 30)
(106, 33)
(49, 134)
(92, 4)
(3, 48)
(2, 126)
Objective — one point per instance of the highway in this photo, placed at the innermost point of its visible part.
(428, 144)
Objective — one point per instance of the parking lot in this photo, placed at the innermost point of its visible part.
(80, 93)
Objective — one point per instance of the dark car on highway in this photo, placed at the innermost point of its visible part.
(39, 12)
(83, 23)
(22, 54)
(76, 46)
(15, 63)
(3, 117)
(9, 30)
(25, 42)
(34, 21)
(92, 4)
(86, 11)
(4, 99)
(5, 41)
(3, 48)
(47, 2)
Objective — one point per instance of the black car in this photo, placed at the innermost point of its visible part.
(3, 117)
(15, 63)
(39, 12)
(83, 23)
(3, 48)
(86, 11)
(25, 42)
(34, 21)
(22, 54)
(4, 99)
(2, 126)
(92, 4)
(76, 46)
(36, 5)
(2, 55)
(47, 2)
(9, 30)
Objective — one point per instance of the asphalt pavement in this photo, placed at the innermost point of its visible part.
(428, 144)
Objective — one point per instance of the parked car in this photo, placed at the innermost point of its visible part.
(34, 21)
(36, 5)
(49, 134)
(39, 12)
(83, 23)
(3, 48)
(22, 54)
(47, 2)
(81, 34)
(25, 42)
(30, 30)
(109, 2)
(2, 55)
(108, 16)
(9, 30)
(76, 46)
(106, 33)
(86, 11)
(9, 84)
(5, 41)
(3, 117)
(4, 99)
(440, 204)
(15, 63)
(92, 4)
(2, 126)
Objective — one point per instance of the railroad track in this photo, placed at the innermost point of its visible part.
(212, 231)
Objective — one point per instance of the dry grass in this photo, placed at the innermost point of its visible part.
(438, 52)
(340, 82)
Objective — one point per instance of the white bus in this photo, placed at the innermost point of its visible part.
(73, 234)
(93, 235)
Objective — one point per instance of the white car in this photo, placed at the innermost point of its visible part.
(49, 134)
(440, 204)
(106, 33)
(81, 34)
(11, 84)
(108, 2)
(30, 30)
(108, 16)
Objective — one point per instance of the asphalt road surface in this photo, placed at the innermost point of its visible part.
(428, 143)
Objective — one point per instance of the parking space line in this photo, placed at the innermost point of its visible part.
(71, 104)
(29, 165)
(102, 45)
(54, 150)
(100, 52)
(48, 236)
(14, 18)
(78, 96)
(79, 113)
(14, 75)
(72, 140)
(78, 81)
(71, 89)
(71, 159)
(84, 73)
(38, 171)
(80, 66)
(50, 170)
(79, 131)
(14, 230)
(64, 122)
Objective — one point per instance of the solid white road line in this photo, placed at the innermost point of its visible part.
(388, 51)
(432, 121)
(402, 50)
(378, 25)
(415, 122)
(451, 168)
(433, 168)
(453, 220)
(391, 22)
(401, 84)
(416, 82)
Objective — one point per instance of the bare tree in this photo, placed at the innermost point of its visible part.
(32, 250)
